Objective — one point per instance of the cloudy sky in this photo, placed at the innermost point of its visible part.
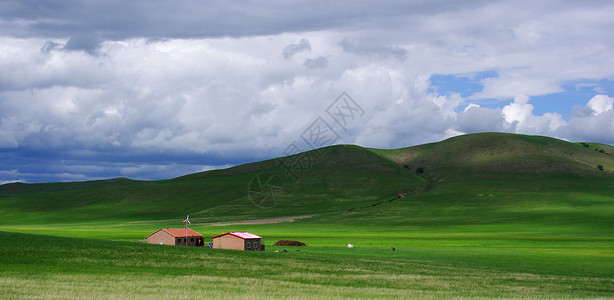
(157, 89)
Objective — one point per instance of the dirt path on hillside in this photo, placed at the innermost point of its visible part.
(263, 221)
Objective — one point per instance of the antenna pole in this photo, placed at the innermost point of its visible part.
(186, 230)
(186, 221)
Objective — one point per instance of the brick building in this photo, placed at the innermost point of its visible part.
(176, 236)
(238, 241)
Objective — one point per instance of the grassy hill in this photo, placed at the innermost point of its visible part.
(488, 154)
(331, 180)
(327, 180)
(505, 179)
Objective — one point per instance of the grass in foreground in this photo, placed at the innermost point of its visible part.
(55, 267)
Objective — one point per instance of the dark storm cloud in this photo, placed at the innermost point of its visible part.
(28, 165)
(315, 63)
(88, 44)
(118, 20)
(371, 49)
(292, 49)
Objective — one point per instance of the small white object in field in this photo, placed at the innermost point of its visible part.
(350, 245)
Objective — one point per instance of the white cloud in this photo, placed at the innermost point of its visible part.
(600, 104)
(480, 119)
(518, 110)
(246, 92)
(555, 121)
(597, 128)
(529, 32)
(165, 170)
(507, 86)
(520, 113)
(10, 181)
(518, 117)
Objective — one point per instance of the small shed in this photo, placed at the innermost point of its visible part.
(176, 236)
(238, 241)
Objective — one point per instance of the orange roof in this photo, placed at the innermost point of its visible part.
(244, 235)
(180, 232)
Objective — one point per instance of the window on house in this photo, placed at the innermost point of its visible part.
(248, 244)
(178, 240)
(191, 240)
(256, 244)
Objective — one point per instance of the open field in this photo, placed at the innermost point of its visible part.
(527, 260)
(76, 268)
(521, 217)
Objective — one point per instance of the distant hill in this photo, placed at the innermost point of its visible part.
(336, 179)
(503, 153)
(325, 180)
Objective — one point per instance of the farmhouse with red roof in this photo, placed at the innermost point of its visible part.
(176, 236)
(238, 241)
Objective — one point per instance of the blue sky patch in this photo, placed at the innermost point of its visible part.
(577, 93)
(464, 84)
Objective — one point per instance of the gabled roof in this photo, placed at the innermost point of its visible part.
(179, 232)
(244, 235)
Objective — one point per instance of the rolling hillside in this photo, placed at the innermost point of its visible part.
(443, 176)
(508, 180)
(327, 180)
(501, 153)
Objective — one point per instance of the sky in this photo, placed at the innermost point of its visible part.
(158, 89)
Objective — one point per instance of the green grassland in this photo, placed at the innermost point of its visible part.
(84, 268)
(489, 216)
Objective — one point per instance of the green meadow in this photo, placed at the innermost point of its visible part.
(78, 268)
(483, 216)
